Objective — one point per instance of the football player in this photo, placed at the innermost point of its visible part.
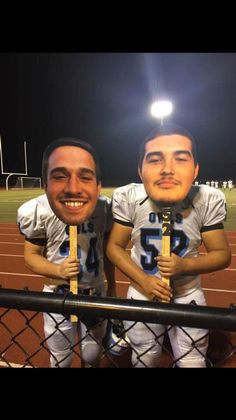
(168, 167)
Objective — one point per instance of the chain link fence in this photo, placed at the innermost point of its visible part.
(104, 328)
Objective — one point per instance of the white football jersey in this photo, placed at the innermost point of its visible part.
(38, 223)
(204, 209)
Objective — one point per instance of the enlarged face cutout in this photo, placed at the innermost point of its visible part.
(168, 168)
(72, 188)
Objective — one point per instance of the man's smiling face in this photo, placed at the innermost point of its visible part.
(72, 189)
(168, 169)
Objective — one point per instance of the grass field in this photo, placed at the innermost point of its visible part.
(12, 199)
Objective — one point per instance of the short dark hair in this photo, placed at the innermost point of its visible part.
(164, 129)
(68, 141)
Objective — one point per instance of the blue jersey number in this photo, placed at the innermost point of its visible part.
(179, 244)
(91, 262)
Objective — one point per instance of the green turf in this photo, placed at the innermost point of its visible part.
(11, 200)
(230, 223)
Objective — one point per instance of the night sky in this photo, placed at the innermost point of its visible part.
(104, 98)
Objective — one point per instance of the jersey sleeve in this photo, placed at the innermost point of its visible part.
(30, 222)
(214, 212)
(109, 217)
(122, 202)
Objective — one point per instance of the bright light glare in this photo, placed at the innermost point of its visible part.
(161, 109)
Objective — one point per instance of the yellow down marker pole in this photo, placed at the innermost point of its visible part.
(73, 254)
(166, 232)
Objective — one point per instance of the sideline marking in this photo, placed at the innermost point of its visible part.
(20, 274)
(13, 243)
(118, 282)
(13, 365)
(219, 290)
(11, 255)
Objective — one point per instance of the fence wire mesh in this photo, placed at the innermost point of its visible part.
(104, 337)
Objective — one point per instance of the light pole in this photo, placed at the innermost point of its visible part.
(161, 109)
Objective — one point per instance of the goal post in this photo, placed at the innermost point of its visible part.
(27, 182)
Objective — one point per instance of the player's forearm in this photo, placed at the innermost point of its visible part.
(40, 265)
(123, 261)
(109, 270)
(212, 261)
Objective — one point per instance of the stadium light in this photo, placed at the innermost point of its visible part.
(161, 109)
